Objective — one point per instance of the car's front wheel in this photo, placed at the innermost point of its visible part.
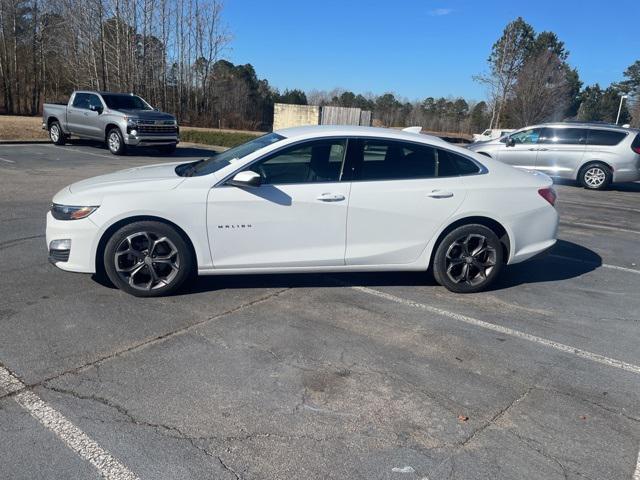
(468, 259)
(148, 259)
(115, 142)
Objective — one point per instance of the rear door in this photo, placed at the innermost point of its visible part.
(82, 116)
(401, 193)
(560, 150)
(524, 150)
(75, 113)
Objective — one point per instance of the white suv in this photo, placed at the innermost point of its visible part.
(309, 199)
(595, 155)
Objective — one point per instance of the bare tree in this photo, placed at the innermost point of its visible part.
(541, 92)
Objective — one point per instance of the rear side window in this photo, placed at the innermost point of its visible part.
(604, 137)
(462, 165)
(81, 100)
(393, 160)
(564, 136)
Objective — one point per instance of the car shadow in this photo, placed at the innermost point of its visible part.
(181, 151)
(564, 261)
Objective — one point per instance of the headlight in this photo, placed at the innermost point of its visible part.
(132, 122)
(68, 212)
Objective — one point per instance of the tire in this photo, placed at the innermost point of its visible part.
(115, 142)
(468, 259)
(148, 259)
(56, 134)
(167, 149)
(595, 176)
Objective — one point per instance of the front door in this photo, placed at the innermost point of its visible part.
(295, 218)
(401, 195)
(523, 149)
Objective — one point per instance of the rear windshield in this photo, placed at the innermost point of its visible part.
(125, 102)
(604, 137)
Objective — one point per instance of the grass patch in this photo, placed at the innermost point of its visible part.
(215, 137)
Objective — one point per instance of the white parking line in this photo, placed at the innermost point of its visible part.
(84, 153)
(594, 357)
(72, 436)
(6, 160)
(636, 472)
(604, 265)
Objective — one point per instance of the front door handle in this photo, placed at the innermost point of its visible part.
(543, 149)
(331, 197)
(440, 194)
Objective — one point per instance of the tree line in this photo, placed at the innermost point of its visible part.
(172, 52)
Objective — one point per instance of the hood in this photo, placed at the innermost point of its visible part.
(147, 114)
(149, 178)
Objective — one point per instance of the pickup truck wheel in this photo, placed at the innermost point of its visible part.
(55, 134)
(115, 142)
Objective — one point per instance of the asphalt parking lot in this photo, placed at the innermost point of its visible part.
(373, 376)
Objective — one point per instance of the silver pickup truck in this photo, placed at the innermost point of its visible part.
(118, 119)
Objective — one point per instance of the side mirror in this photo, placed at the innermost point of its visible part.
(95, 108)
(246, 179)
(510, 142)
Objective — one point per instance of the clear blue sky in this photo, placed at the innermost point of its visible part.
(418, 48)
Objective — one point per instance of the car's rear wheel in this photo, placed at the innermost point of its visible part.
(595, 176)
(56, 134)
(468, 259)
(115, 142)
(148, 259)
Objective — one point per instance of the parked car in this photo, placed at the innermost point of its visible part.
(118, 119)
(491, 133)
(306, 199)
(595, 155)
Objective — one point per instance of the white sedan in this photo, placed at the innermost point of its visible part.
(308, 199)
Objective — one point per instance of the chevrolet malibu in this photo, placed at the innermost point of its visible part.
(307, 199)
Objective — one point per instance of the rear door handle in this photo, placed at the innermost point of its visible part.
(331, 197)
(440, 194)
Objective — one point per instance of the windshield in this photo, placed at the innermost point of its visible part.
(227, 157)
(125, 102)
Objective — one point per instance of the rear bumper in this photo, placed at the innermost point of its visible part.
(626, 175)
(533, 233)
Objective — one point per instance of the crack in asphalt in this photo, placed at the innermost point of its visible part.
(17, 241)
(143, 344)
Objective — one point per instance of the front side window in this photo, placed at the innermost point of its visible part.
(94, 102)
(564, 136)
(530, 136)
(309, 162)
(604, 137)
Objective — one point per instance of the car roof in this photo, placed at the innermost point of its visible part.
(589, 125)
(312, 131)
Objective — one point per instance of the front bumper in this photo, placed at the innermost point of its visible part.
(150, 140)
(83, 235)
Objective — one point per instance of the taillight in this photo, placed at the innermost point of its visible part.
(549, 194)
(635, 146)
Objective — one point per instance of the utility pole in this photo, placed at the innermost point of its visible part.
(620, 108)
